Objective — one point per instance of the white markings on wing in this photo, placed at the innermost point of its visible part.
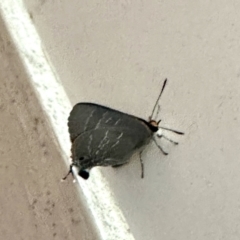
(120, 136)
(100, 120)
(109, 119)
(103, 142)
(114, 145)
(117, 122)
(89, 144)
(117, 142)
(88, 119)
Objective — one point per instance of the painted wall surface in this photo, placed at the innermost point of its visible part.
(118, 54)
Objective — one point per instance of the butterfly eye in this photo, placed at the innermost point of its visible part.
(81, 158)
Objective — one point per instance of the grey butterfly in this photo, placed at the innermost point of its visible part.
(102, 136)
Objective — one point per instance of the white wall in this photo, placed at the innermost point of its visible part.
(118, 54)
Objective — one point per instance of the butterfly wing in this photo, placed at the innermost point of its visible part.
(102, 136)
(90, 116)
(105, 147)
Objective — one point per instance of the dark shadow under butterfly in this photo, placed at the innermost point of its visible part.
(102, 136)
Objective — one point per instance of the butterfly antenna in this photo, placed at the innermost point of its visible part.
(172, 130)
(142, 166)
(164, 84)
(158, 110)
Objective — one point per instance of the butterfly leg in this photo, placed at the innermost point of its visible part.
(118, 165)
(165, 153)
(168, 139)
(142, 165)
(69, 172)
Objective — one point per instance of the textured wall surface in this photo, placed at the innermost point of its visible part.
(34, 203)
(118, 54)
